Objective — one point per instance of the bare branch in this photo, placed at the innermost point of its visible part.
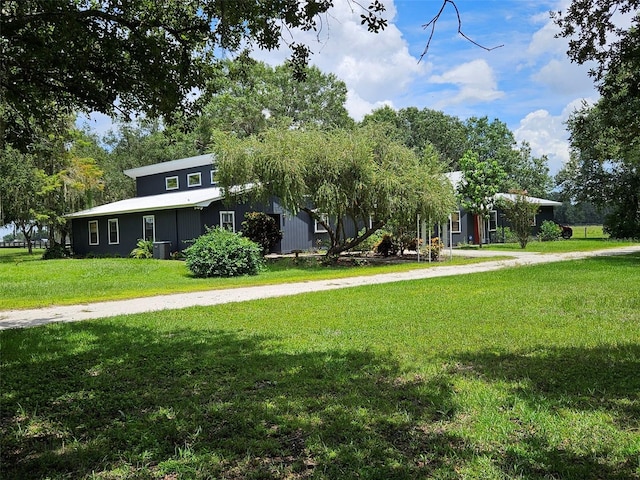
(434, 20)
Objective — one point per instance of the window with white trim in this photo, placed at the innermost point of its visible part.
(194, 179)
(317, 226)
(493, 221)
(171, 183)
(228, 220)
(149, 228)
(114, 231)
(213, 177)
(94, 238)
(455, 222)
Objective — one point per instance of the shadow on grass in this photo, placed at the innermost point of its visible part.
(579, 380)
(121, 401)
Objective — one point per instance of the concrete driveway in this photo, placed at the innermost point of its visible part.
(75, 313)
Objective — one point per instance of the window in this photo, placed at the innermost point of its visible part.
(318, 227)
(493, 221)
(213, 176)
(149, 227)
(455, 222)
(194, 179)
(171, 183)
(93, 233)
(114, 231)
(228, 220)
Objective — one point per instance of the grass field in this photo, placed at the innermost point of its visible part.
(561, 246)
(26, 281)
(524, 373)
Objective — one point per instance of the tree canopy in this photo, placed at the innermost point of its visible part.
(335, 176)
(605, 138)
(62, 56)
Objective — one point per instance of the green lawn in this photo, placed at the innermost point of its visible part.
(26, 281)
(524, 373)
(562, 246)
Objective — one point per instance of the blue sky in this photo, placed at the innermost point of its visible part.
(528, 83)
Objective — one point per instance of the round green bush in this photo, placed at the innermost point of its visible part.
(222, 253)
(262, 229)
(549, 231)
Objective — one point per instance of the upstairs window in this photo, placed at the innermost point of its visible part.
(213, 177)
(194, 179)
(171, 183)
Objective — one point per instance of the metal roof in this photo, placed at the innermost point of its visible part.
(170, 166)
(197, 198)
(457, 178)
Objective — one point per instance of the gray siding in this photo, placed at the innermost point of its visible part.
(155, 184)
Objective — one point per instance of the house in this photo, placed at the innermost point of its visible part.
(175, 202)
(461, 223)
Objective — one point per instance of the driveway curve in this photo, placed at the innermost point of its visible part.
(74, 313)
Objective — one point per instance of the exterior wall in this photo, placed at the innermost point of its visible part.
(156, 185)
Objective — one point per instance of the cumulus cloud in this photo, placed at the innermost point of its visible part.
(368, 63)
(563, 77)
(547, 134)
(475, 81)
(358, 107)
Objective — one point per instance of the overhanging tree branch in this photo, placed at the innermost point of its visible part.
(432, 24)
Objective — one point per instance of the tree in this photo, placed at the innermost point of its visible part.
(481, 181)
(18, 181)
(337, 176)
(250, 96)
(431, 127)
(603, 172)
(136, 57)
(520, 213)
(494, 141)
(605, 163)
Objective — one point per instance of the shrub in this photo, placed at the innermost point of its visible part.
(261, 229)
(386, 246)
(222, 253)
(549, 231)
(55, 251)
(435, 248)
(144, 249)
(371, 242)
(509, 235)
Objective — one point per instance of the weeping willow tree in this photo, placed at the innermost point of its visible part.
(342, 175)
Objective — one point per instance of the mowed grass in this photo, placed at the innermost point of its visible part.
(525, 373)
(575, 244)
(27, 281)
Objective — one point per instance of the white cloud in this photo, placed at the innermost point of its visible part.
(475, 81)
(368, 63)
(359, 107)
(563, 77)
(547, 134)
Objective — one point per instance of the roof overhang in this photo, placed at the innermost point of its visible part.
(171, 166)
(457, 180)
(543, 202)
(199, 198)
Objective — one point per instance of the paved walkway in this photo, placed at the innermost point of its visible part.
(75, 313)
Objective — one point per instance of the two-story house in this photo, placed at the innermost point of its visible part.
(175, 201)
